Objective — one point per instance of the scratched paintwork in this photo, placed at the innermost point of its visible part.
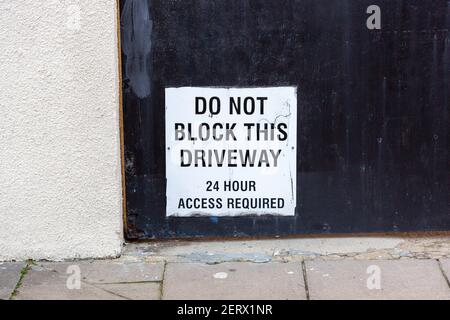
(373, 119)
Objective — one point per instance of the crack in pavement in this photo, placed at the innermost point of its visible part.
(19, 283)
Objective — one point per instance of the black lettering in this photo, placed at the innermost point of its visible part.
(200, 105)
(214, 106)
(262, 100)
(179, 132)
(235, 106)
(282, 128)
(186, 158)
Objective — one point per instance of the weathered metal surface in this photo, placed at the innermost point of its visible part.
(373, 107)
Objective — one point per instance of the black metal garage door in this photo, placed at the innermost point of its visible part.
(372, 138)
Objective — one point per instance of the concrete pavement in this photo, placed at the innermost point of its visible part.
(242, 270)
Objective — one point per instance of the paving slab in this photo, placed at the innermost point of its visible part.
(100, 280)
(9, 276)
(234, 281)
(111, 271)
(376, 280)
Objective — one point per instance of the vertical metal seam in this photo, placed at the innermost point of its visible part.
(121, 121)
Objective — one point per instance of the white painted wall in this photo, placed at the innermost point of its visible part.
(60, 176)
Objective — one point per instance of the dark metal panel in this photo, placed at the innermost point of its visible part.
(373, 118)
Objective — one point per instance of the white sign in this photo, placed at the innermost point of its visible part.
(231, 152)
